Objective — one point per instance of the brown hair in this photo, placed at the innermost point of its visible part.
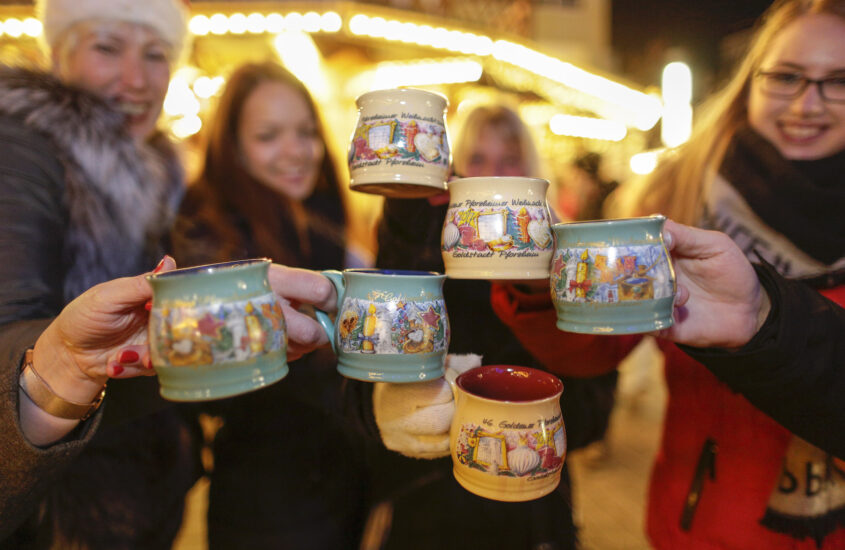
(678, 186)
(248, 209)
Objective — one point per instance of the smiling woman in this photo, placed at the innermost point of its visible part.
(286, 475)
(764, 166)
(126, 64)
(279, 141)
(87, 190)
(797, 98)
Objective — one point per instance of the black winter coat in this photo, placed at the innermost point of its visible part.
(794, 368)
(81, 203)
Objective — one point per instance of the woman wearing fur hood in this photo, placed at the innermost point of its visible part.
(87, 191)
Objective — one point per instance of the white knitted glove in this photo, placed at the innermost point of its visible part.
(414, 419)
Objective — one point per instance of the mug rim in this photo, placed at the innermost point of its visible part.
(373, 271)
(209, 269)
(504, 179)
(483, 369)
(611, 221)
(402, 90)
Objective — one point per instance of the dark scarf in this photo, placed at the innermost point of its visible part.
(793, 210)
(790, 213)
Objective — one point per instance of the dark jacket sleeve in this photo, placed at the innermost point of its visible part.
(409, 235)
(794, 368)
(31, 229)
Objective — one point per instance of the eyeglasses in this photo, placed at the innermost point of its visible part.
(791, 85)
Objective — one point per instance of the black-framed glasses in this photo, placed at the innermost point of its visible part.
(790, 85)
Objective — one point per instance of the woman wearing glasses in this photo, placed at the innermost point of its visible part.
(765, 166)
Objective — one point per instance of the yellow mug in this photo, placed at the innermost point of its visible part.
(507, 438)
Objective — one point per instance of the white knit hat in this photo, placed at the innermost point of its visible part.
(168, 17)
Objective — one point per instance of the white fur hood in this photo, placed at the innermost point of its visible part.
(120, 197)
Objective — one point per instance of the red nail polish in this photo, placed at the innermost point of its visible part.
(160, 265)
(116, 370)
(148, 306)
(148, 363)
(128, 356)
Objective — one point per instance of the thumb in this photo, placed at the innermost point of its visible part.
(167, 263)
(686, 241)
(130, 292)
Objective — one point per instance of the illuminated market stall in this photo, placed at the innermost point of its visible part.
(476, 51)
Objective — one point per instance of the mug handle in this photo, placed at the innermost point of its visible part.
(451, 376)
(336, 277)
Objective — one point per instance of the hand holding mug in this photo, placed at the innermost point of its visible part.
(301, 286)
(94, 331)
(414, 419)
(720, 302)
(85, 345)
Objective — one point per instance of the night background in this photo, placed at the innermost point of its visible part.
(647, 34)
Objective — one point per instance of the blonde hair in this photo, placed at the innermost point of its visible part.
(499, 119)
(678, 186)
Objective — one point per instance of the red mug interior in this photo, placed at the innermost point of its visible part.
(509, 383)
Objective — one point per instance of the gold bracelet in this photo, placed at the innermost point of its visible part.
(40, 392)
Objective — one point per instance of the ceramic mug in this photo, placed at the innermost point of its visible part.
(400, 147)
(507, 439)
(391, 326)
(497, 228)
(216, 330)
(612, 276)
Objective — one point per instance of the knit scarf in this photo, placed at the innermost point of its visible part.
(792, 215)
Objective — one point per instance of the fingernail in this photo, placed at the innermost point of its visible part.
(148, 306)
(148, 363)
(160, 264)
(116, 369)
(128, 356)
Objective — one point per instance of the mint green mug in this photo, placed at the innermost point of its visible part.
(612, 276)
(391, 326)
(216, 330)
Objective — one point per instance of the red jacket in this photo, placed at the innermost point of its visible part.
(750, 445)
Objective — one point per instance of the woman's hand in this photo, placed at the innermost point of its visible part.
(719, 302)
(100, 334)
(297, 287)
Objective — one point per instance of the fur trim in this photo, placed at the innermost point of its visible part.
(120, 197)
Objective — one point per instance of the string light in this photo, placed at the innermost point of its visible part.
(610, 100)
(256, 23)
(199, 25)
(13, 27)
(585, 127)
(32, 27)
(426, 72)
(186, 126)
(301, 57)
(677, 104)
(644, 163)
(237, 23)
